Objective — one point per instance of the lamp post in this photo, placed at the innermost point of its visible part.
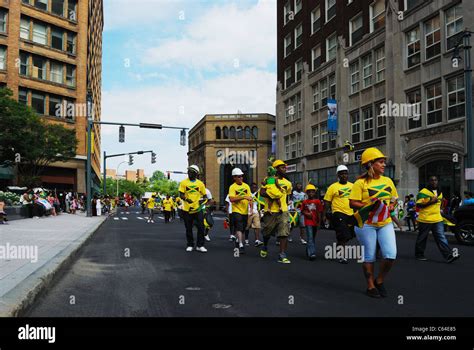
(89, 155)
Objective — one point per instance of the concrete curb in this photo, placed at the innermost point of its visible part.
(18, 300)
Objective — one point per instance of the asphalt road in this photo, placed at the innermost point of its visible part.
(131, 268)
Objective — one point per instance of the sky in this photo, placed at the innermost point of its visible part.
(171, 62)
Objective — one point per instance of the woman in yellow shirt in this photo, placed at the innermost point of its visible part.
(373, 197)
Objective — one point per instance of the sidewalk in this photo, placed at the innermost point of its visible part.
(32, 251)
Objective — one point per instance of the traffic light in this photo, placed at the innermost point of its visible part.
(153, 157)
(122, 134)
(183, 137)
(130, 159)
(169, 175)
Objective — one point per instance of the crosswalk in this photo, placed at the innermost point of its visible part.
(125, 216)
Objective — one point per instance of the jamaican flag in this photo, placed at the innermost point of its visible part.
(449, 220)
(372, 214)
(260, 201)
(425, 195)
(293, 218)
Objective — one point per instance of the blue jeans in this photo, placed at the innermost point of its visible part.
(368, 237)
(438, 235)
(311, 236)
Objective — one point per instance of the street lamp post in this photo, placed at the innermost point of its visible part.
(89, 155)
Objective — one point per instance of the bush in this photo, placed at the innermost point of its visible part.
(9, 198)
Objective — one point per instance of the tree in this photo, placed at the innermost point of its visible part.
(37, 142)
(160, 183)
(136, 189)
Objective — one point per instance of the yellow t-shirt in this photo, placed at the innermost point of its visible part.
(167, 204)
(278, 197)
(338, 195)
(381, 188)
(242, 206)
(194, 190)
(432, 213)
(150, 203)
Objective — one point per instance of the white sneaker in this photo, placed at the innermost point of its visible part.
(207, 238)
(152, 221)
(303, 241)
(189, 249)
(232, 238)
(201, 249)
(247, 242)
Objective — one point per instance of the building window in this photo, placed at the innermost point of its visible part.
(232, 133)
(299, 106)
(41, 4)
(298, 36)
(316, 57)
(240, 133)
(248, 133)
(23, 96)
(3, 56)
(432, 38)
(330, 9)
(456, 98)
(332, 86)
(24, 63)
(57, 38)
(434, 104)
(38, 102)
(324, 92)
(255, 132)
(381, 121)
(316, 139)
(39, 67)
(380, 64)
(377, 15)
(293, 146)
(70, 76)
(331, 47)
(315, 20)
(218, 133)
(367, 70)
(39, 34)
(225, 131)
(3, 21)
(71, 43)
(355, 126)
(368, 116)
(355, 77)
(286, 13)
(287, 147)
(454, 25)
(409, 4)
(55, 105)
(324, 137)
(72, 10)
(57, 7)
(56, 72)
(289, 110)
(299, 69)
(413, 47)
(356, 30)
(315, 97)
(414, 99)
(25, 29)
(299, 144)
(288, 78)
(298, 6)
(287, 45)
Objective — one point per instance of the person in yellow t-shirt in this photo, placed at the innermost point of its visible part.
(276, 218)
(191, 192)
(337, 199)
(168, 206)
(239, 195)
(428, 201)
(150, 204)
(373, 196)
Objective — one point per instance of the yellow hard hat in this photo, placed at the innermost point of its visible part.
(371, 154)
(310, 187)
(277, 163)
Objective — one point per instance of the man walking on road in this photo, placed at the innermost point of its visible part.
(337, 198)
(191, 191)
(429, 219)
(150, 204)
(275, 219)
(168, 206)
(240, 196)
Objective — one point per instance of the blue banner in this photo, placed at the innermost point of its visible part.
(332, 117)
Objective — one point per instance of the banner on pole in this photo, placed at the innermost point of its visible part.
(332, 117)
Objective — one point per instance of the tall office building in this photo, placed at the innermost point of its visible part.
(50, 57)
(387, 64)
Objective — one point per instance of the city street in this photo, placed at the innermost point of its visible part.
(131, 268)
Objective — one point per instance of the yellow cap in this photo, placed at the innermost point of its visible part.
(310, 187)
(371, 154)
(277, 163)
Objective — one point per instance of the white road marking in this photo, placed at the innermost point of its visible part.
(116, 219)
(139, 218)
(124, 218)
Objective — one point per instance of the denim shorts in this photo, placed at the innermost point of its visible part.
(368, 236)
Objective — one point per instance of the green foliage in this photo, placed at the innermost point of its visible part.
(136, 189)
(9, 198)
(160, 183)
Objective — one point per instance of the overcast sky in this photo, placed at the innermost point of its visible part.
(173, 61)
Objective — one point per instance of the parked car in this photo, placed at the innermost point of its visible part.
(464, 229)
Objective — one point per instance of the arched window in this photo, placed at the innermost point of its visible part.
(248, 135)
(255, 132)
(240, 133)
(232, 133)
(218, 133)
(225, 131)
